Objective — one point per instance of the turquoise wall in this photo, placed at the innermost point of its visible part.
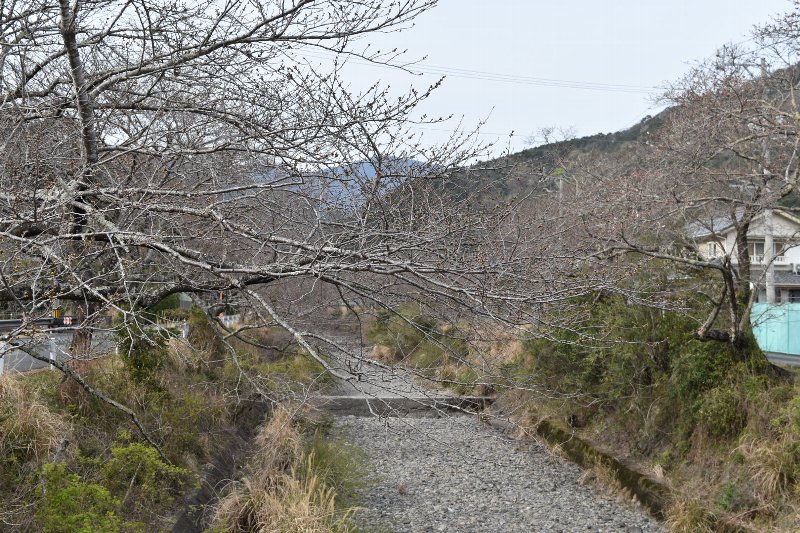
(777, 327)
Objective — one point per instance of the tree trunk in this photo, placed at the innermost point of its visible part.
(81, 343)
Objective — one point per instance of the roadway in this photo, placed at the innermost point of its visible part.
(784, 359)
(57, 344)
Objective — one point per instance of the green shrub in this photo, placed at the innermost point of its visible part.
(417, 339)
(202, 336)
(457, 348)
(185, 418)
(143, 353)
(428, 356)
(338, 464)
(721, 414)
(136, 473)
(170, 303)
(465, 380)
(622, 357)
(698, 367)
(296, 371)
(754, 385)
(70, 505)
(402, 332)
(735, 497)
(788, 416)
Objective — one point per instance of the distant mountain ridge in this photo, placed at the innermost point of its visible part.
(528, 170)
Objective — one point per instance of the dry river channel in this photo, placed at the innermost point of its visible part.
(441, 470)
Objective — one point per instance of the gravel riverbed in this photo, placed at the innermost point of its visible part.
(457, 475)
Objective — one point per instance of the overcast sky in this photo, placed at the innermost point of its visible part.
(618, 48)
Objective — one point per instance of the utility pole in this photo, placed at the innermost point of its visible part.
(769, 242)
(769, 256)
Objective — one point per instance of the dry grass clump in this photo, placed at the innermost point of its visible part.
(383, 353)
(774, 465)
(288, 503)
(502, 346)
(70, 392)
(278, 444)
(29, 431)
(603, 476)
(30, 435)
(686, 515)
(184, 356)
(282, 492)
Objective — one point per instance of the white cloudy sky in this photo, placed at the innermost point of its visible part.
(637, 44)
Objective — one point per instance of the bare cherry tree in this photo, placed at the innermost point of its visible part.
(152, 148)
(725, 157)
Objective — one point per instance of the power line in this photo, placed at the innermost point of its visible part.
(530, 79)
(499, 77)
(468, 132)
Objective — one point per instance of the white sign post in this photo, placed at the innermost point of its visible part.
(52, 350)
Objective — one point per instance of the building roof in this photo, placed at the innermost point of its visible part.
(707, 228)
(787, 279)
(722, 223)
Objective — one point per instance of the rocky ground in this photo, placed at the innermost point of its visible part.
(457, 475)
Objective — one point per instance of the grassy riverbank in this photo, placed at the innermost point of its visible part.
(71, 463)
(298, 479)
(722, 434)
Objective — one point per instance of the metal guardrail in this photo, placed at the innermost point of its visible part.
(11, 324)
(55, 325)
(231, 320)
(50, 344)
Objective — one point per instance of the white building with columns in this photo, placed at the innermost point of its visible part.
(774, 242)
